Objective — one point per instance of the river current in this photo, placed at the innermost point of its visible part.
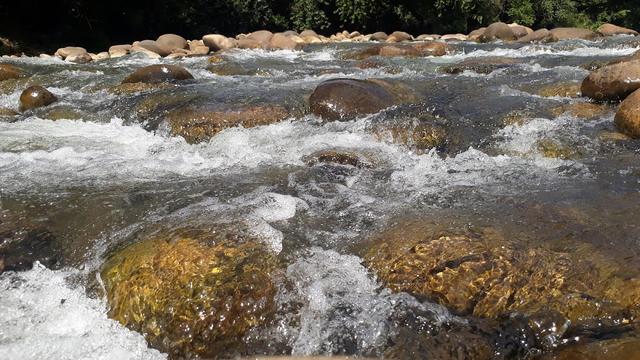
(514, 161)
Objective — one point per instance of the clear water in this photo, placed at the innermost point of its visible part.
(95, 181)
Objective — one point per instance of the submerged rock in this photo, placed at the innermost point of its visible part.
(581, 110)
(569, 89)
(36, 96)
(23, 243)
(344, 99)
(201, 124)
(8, 71)
(485, 65)
(628, 116)
(339, 157)
(192, 292)
(486, 275)
(158, 74)
(611, 349)
(612, 82)
(418, 136)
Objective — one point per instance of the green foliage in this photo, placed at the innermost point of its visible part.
(308, 14)
(521, 11)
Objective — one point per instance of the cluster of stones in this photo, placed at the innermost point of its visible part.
(175, 46)
(616, 81)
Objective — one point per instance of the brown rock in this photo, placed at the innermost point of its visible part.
(482, 65)
(158, 74)
(170, 42)
(197, 125)
(574, 33)
(8, 71)
(6, 112)
(135, 49)
(485, 274)
(379, 36)
(433, 48)
(79, 58)
(117, 51)
(397, 50)
(152, 46)
(192, 292)
(538, 36)
(66, 51)
(285, 42)
(561, 89)
(217, 42)
(399, 36)
(610, 30)
(498, 31)
(586, 111)
(339, 157)
(476, 35)
(454, 37)
(612, 82)
(308, 33)
(263, 37)
(36, 96)
(344, 99)
(628, 116)
(520, 30)
(248, 43)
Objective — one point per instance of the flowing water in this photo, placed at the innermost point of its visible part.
(95, 181)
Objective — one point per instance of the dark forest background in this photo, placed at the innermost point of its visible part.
(95, 24)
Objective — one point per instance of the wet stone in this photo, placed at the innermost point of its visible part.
(486, 275)
(191, 291)
(22, 243)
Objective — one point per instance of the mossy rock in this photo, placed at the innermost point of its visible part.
(63, 112)
(553, 149)
(588, 111)
(419, 137)
(486, 275)
(571, 90)
(192, 292)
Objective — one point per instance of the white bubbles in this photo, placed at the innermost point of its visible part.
(44, 317)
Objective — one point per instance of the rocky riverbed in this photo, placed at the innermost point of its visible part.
(466, 197)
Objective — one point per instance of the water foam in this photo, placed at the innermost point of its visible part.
(44, 317)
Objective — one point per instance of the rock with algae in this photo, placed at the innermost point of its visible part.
(489, 276)
(191, 292)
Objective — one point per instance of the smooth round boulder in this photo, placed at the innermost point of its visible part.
(36, 96)
(538, 36)
(192, 292)
(612, 82)
(263, 37)
(117, 51)
(69, 50)
(520, 30)
(476, 35)
(627, 118)
(498, 31)
(399, 36)
(151, 46)
(454, 37)
(283, 41)
(308, 33)
(379, 36)
(158, 74)
(217, 42)
(170, 42)
(611, 30)
(567, 33)
(8, 71)
(79, 58)
(344, 99)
